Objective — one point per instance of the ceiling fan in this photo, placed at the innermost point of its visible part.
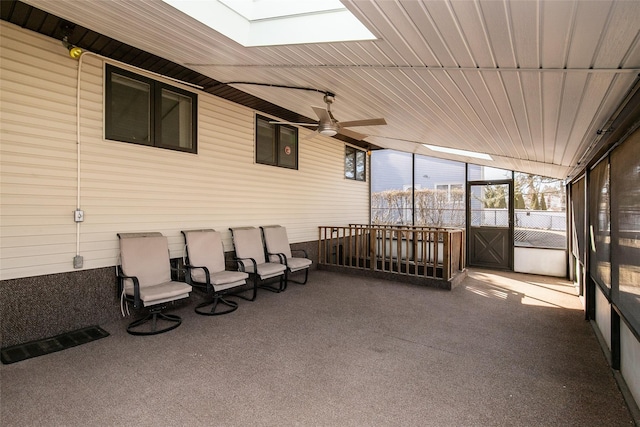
(329, 126)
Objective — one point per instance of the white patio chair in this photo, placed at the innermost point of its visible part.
(205, 264)
(251, 259)
(278, 249)
(144, 278)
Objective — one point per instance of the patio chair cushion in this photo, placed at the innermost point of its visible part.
(205, 250)
(221, 280)
(248, 244)
(296, 263)
(268, 269)
(276, 241)
(147, 258)
(163, 292)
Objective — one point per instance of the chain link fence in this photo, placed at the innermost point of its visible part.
(540, 229)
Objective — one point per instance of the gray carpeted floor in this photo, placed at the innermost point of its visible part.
(499, 350)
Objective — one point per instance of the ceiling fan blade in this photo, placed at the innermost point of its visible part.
(322, 114)
(293, 123)
(366, 122)
(352, 134)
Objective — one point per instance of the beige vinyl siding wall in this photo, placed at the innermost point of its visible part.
(126, 187)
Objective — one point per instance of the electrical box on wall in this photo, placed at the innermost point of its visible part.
(78, 215)
(78, 261)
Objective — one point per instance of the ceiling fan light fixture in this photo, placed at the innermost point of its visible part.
(328, 132)
(328, 129)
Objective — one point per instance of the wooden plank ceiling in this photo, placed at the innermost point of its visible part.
(531, 83)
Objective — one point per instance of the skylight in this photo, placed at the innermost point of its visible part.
(459, 152)
(277, 22)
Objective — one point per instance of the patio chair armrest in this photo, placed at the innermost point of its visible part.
(192, 267)
(207, 275)
(240, 262)
(136, 286)
(282, 258)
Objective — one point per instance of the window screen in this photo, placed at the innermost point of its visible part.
(600, 226)
(391, 184)
(288, 147)
(577, 219)
(176, 120)
(129, 108)
(625, 229)
(439, 192)
(265, 148)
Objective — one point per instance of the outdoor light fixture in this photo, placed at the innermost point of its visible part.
(74, 51)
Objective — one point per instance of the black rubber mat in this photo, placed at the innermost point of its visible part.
(37, 348)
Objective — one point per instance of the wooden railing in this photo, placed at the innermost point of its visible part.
(436, 253)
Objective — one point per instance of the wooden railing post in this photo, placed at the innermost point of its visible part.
(398, 250)
(373, 246)
(335, 246)
(357, 245)
(349, 247)
(342, 231)
(423, 249)
(382, 248)
(320, 240)
(436, 252)
(446, 263)
(462, 250)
